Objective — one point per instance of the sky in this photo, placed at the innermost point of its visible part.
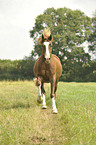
(17, 18)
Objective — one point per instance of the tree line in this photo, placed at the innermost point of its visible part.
(17, 69)
(70, 29)
(23, 70)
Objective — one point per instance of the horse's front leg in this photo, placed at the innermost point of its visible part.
(53, 83)
(38, 83)
(39, 98)
(43, 96)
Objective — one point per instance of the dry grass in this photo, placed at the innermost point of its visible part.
(22, 121)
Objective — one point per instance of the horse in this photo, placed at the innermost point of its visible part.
(47, 69)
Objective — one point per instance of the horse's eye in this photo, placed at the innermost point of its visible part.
(44, 47)
(49, 44)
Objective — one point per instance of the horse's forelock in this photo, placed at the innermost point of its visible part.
(46, 36)
(46, 32)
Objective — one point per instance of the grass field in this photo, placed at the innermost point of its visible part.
(22, 121)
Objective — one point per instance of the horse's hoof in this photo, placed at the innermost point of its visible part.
(44, 107)
(54, 111)
(39, 99)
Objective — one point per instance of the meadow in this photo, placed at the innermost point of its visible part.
(23, 122)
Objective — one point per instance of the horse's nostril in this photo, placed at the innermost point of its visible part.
(47, 60)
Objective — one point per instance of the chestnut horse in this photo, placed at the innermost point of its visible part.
(47, 69)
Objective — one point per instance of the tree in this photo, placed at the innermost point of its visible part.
(69, 29)
(92, 37)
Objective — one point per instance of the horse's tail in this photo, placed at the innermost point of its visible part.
(37, 81)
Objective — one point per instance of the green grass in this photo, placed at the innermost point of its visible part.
(22, 121)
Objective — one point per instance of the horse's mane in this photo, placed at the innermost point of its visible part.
(46, 33)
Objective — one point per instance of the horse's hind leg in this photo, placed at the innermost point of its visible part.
(43, 96)
(56, 84)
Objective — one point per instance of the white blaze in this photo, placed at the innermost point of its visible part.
(47, 53)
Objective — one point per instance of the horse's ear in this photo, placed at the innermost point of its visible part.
(42, 37)
(50, 38)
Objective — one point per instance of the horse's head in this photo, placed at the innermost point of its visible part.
(47, 49)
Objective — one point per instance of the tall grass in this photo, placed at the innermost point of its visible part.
(22, 121)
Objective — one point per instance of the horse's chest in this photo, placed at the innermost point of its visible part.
(45, 73)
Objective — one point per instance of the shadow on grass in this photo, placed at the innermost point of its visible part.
(16, 106)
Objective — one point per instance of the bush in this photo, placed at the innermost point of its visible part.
(18, 69)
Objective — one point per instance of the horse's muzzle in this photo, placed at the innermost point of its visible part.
(47, 61)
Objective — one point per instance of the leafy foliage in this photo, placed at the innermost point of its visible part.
(92, 37)
(18, 69)
(23, 69)
(69, 29)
